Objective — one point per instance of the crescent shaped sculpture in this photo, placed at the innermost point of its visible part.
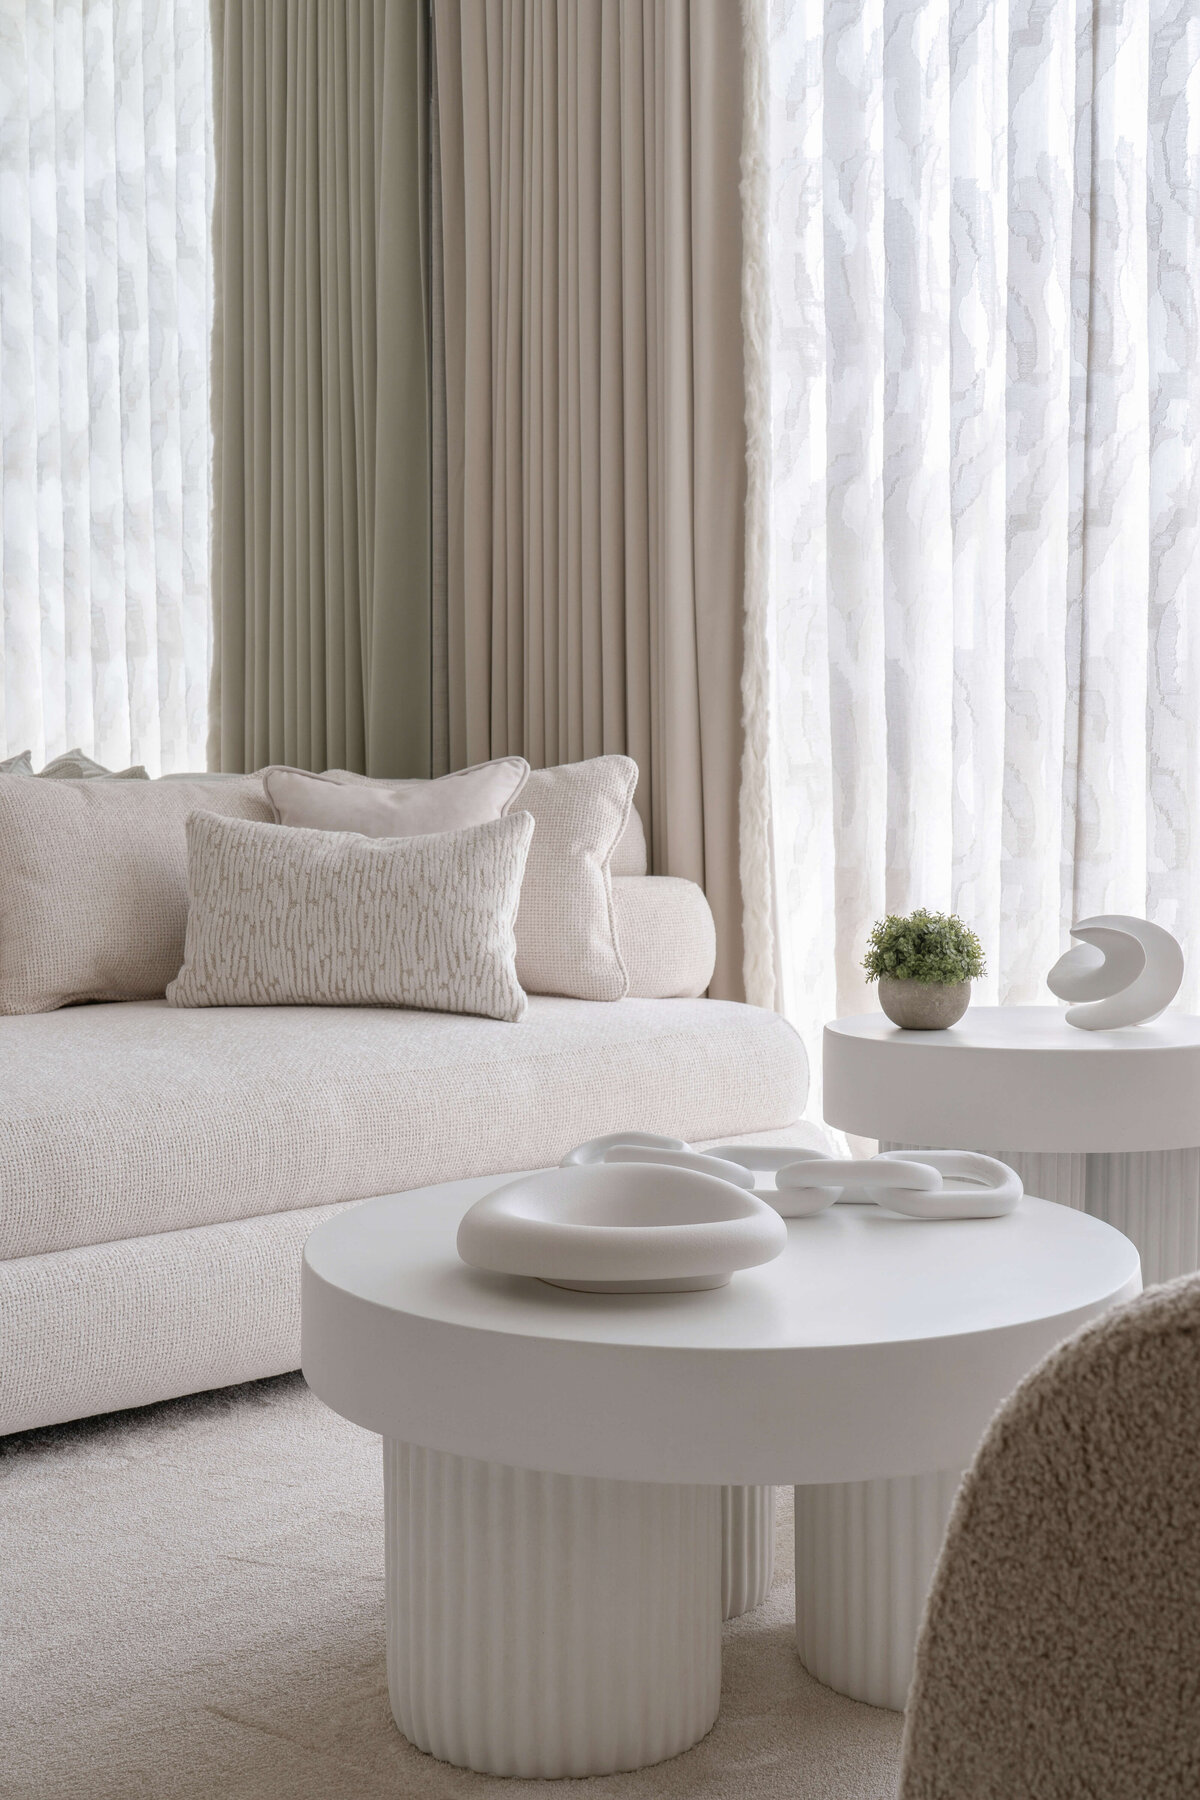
(1123, 971)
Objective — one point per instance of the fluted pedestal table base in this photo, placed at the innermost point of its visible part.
(747, 1548)
(569, 1624)
(549, 1625)
(865, 1555)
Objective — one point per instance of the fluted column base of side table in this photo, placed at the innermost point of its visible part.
(865, 1555)
(1152, 1196)
(747, 1548)
(548, 1625)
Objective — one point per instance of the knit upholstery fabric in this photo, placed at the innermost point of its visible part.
(283, 916)
(117, 1121)
(666, 933)
(1060, 1654)
(629, 857)
(125, 1324)
(93, 884)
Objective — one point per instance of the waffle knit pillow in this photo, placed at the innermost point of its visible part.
(566, 925)
(93, 885)
(282, 916)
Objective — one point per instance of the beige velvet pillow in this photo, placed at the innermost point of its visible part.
(341, 801)
(282, 916)
(93, 885)
(566, 926)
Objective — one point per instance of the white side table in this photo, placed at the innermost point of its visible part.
(1106, 1121)
(554, 1460)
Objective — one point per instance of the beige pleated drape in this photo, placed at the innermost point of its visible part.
(321, 386)
(593, 462)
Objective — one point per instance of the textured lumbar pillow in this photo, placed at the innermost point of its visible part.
(566, 926)
(93, 885)
(341, 801)
(284, 916)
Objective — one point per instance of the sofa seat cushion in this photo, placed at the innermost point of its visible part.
(122, 1120)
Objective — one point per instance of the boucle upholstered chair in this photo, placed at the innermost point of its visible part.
(1060, 1654)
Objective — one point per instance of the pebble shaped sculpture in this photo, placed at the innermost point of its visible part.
(1123, 971)
(621, 1228)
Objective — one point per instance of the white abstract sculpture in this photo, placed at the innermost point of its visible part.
(923, 1184)
(1123, 971)
(798, 1182)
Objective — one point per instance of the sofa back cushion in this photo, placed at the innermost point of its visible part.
(630, 857)
(284, 916)
(72, 765)
(566, 927)
(341, 801)
(93, 885)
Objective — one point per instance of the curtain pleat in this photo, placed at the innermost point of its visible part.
(321, 366)
(594, 438)
(977, 234)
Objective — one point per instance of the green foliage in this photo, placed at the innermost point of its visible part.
(926, 946)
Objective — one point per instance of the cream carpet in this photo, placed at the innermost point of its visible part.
(191, 1608)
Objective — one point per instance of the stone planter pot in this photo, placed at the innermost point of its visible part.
(923, 1005)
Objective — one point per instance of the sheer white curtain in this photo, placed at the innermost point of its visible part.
(974, 605)
(105, 307)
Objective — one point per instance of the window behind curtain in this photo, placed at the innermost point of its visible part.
(106, 177)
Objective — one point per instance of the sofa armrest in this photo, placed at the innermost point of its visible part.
(666, 934)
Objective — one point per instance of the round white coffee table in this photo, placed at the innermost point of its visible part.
(553, 1461)
(1106, 1121)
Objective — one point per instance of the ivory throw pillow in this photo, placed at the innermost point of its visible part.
(566, 925)
(341, 801)
(629, 857)
(284, 916)
(93, 885)
(72, 765)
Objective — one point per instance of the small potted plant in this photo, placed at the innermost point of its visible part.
(924, 965)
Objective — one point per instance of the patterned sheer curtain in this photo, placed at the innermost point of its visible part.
(105, 309)
(974, 520)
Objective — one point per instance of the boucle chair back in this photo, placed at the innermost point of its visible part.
(1060, 1654)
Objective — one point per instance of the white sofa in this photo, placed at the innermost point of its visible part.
(160, 1168)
